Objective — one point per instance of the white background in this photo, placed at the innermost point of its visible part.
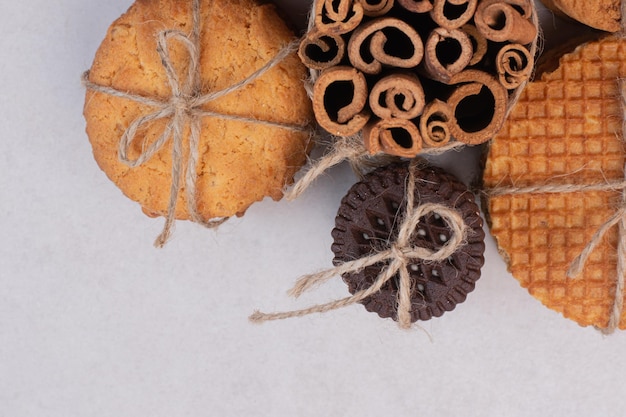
(94, 321)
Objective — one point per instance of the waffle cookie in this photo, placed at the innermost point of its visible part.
(238, 161)
(564, 133)
(599, 14)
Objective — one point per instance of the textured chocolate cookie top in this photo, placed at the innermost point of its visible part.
(369, 219)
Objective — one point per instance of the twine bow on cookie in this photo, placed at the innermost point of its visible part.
(617, 219)
(399, 256)
(184, 107)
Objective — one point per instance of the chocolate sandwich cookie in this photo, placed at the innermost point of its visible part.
(369, 221)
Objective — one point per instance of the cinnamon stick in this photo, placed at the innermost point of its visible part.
(362, 45)
(339, 98)
(501, 21)
(338, 16)
(478, 105)
(446, 53)
(479, 43)
(514, 64)
(452, 14)
(376, 7)
(320, 50)
(399, 137)
(417, 6)
(392, 42)
(434, 124)
(398, 95)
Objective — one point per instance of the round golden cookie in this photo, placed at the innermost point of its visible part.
(238, 162)
(598, 14)
(565, 131)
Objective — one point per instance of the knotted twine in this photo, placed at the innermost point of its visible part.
(618, 219)
(352, 148)
(399, 255)
(183, 108)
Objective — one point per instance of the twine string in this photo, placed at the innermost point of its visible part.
(619, 219)
(399, 255)
(352, 149)
(344, 148)
(184, 108)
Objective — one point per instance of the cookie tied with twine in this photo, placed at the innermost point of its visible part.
(196, 109)
(408, 242)
(554, 186)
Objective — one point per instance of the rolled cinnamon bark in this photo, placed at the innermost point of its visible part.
(417, 6)
(446, 53)
(478, 105)
(479, 43)
(362, 45)
(399, 137)
(514, 64)
(392, 42)
(452, 14)
(320, 50)
(338, 16)
(501, 21)
(434, 122)
(339, 99)
(376, 7)
(398, 95)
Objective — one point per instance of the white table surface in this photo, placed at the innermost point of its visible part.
(94, 321)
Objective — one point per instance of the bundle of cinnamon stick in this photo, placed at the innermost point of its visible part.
(415, 74)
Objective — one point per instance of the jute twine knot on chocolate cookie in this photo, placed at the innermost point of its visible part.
(184, 109)
(396, 258)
